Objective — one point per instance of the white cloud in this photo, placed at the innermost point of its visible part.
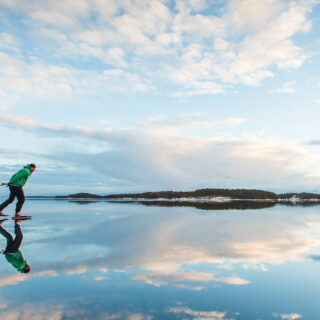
(25, 122)
(188, 25)
(37, 80)
(117, 55)
(287, 87)
(9, 41)
(201, 53)
(200, 87)
(272, 45)
(191, 5)
(19, 79)
(6, 100)
(250, 60)
(251, 15)
(167, 158)
(66, 14)
(183, 122)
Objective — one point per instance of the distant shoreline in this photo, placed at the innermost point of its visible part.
(201, 195)
(204, 199)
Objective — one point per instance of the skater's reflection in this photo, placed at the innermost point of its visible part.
(12, 252)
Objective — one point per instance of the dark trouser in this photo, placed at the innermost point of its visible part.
(15, 191)
(12, 245)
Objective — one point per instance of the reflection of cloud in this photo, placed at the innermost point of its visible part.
(48, 311)
(174, 241)
(200, 315)
(77, 269)
(3, 303)
(17, 278)
(178, 278)
(289, 316)
(169, 249)
(32, 311)
(139, 316)
(256, 250)
(67, 269)
(127, 316)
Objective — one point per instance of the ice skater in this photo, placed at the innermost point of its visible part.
(15, 185)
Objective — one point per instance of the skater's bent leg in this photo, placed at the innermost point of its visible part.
(8, 201)
(21, 199)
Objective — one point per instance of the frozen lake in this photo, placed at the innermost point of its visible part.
(101, 260)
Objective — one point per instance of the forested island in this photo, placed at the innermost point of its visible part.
(209, 194)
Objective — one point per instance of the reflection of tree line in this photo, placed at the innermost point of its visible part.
(230, 205)
(298, 204)
(227, 205)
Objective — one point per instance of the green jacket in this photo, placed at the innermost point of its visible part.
(21, 177)
(16, 259)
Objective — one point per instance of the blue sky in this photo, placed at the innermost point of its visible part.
(125, 96)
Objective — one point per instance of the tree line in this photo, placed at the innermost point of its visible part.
(242, 194)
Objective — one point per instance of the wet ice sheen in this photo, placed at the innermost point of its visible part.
(101, 260)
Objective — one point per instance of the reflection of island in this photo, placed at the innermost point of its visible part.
(207, 205)
(12, 252)
(228, 205)
(82, 202)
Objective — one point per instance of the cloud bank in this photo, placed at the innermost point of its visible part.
(200, 47)
(168, 159)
